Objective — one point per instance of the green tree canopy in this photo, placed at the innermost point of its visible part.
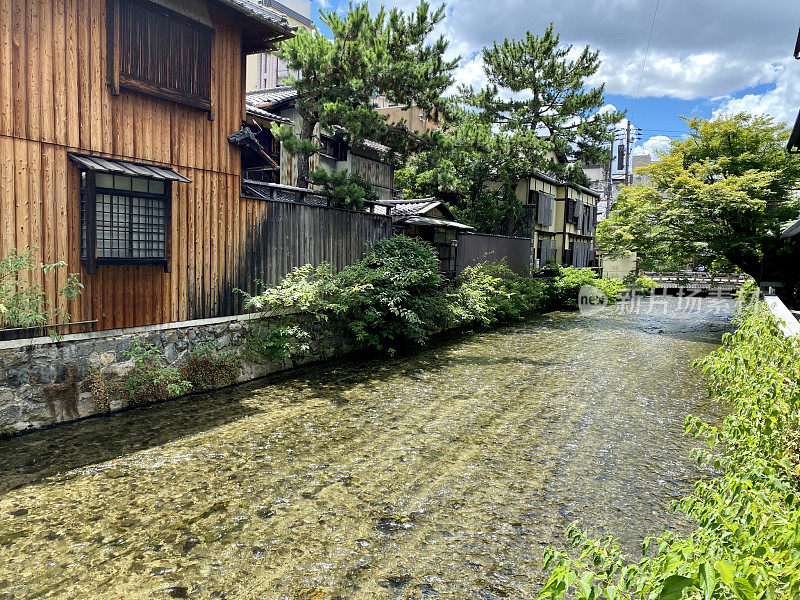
(538, 92)
(469, 166)
(537, 112)
(388, 53)
(723, 192)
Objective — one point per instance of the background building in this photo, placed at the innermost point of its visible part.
(413, 117)
(266, 70)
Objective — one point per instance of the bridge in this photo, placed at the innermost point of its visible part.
(701, 284)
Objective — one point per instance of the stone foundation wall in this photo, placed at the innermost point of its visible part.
(44, 381)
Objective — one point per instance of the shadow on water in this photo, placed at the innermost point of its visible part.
(440, 472)
(32, 457)
(35, 456)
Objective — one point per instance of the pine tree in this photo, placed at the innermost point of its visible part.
(387, 53)
(538, 92)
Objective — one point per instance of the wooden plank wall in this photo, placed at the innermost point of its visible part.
(54, 99)
(476, 248)
(282, 236)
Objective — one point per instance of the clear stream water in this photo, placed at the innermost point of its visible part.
(437, 475)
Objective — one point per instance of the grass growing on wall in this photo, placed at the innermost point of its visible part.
(746, 542)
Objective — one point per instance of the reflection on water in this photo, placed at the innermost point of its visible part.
(438, 475)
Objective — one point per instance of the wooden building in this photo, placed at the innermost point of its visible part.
(114, 156)
(562, 220)
(126, 106)
(370, 160)
(431, 220)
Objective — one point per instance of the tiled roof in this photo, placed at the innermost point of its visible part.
(262, 14)
(380, 148)
(270, 97)
(100, 164)
(265, 114)
(418, 206)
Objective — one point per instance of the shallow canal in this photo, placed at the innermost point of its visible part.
(440, 475)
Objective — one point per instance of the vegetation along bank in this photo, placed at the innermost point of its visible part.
(394, 298)
(746, 541)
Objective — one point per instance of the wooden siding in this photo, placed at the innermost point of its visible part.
(283, 235)
(54, 99)
(379, 174)
(477, 248)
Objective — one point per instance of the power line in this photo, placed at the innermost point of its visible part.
(644, 62)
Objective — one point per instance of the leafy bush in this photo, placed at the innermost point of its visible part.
(23, 304)
(491, 292)
(749, 293)
(570, 280)
(278, 342)
(395, 296)
(644, 285)
(150, 380)
(746, 544)
(386, 299)
(208, 368)
(390, 297)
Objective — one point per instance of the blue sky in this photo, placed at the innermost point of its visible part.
(705, 57)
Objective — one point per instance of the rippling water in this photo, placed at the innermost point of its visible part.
(442, 474)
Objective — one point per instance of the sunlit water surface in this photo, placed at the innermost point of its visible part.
(441, 475)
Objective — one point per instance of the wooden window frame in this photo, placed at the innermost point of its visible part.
(118, 81)
(339, 153)
(89, 259)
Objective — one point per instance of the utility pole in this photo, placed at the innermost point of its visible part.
(628, 174)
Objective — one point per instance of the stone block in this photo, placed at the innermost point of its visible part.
(16, 376)
(42, 372)
(170, 353)
(117, 370)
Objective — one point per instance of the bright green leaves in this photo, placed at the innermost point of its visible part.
(22, 297)
(707, 578)
(724, 191)
(673, 586)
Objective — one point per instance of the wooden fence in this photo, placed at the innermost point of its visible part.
(475, 248)
(285, 235)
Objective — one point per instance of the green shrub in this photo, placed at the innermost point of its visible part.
(567, 285)
(387, 299)
(209, 368)
(278, 342)
(150, 380)
(491, 292)
(395, 297)
(746, 544)
(644, 285)
(23, 304)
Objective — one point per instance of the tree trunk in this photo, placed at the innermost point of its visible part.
(306, 133)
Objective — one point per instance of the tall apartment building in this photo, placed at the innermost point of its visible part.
(266, 70)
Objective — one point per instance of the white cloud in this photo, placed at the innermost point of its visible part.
(656, 146)
(703, 49)
(697, 51)
(782, 102)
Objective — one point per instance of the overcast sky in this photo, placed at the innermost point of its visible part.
(706, 57)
